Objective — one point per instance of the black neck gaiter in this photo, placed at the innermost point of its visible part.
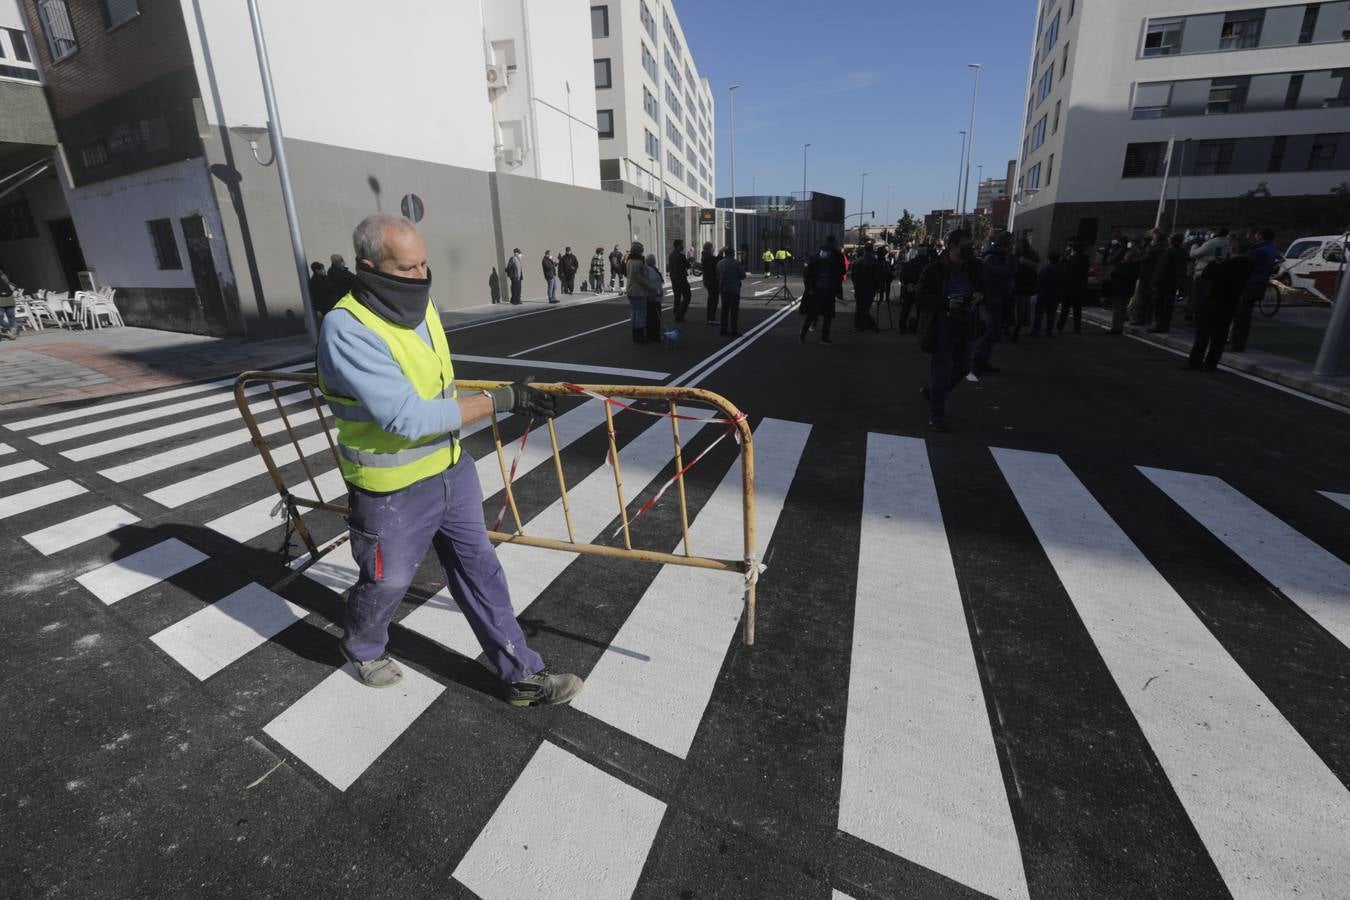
(402, 301)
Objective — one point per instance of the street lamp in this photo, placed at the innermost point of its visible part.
(965, 181)
(283, 172)
(805, 147)
(960, 167)
(735, 248)
(862, 192)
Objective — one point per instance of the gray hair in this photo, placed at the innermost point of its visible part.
(368, 236)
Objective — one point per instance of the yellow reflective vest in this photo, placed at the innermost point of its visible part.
(781, 255)
(768, 256)
(377, 460)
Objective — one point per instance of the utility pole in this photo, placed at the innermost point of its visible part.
(862, 192)
(965, 181)
(735, 248)
(960, 168)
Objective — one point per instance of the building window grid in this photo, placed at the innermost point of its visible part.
(56, 26)
(118, 12)
(672, 69)
(166, 247)
(604, 76)
(1046, 86)
(1051, 36)
(649, 105)
(1230, 96)
(653, 146)
(1054, 126)
(599, 22)
(673, 132)
(1033, 177)
(1277, 148)
(1322, 155)
(673, 103)
(1295, 88)
(18, 42)
(1142, 160)
(648, 22)
(1038, 134)
(604, 123)
(1309, 26)
(648, 61)
(1215, 157)
(1241, 30)
(1064, 61)
(1049, 169)
(1163, 37)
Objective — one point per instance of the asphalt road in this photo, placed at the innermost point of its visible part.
(1092, 642)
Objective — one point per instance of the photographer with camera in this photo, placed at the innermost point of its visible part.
(950, 289)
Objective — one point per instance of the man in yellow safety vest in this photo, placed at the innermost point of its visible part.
(781, 259)
(384, 368)
(768, 262)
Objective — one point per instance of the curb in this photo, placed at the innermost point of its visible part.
(1276, 369)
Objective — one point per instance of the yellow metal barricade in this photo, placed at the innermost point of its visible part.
(669, 400)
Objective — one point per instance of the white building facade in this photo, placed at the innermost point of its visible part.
(655, 113)
(1254, 101)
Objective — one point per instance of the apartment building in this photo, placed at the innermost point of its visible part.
(1252, 100)
(474, 117)
(654, 111)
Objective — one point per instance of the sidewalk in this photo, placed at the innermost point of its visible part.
(60, 366)
(1282, 349)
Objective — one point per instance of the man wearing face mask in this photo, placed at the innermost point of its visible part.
(950, 289)
(384, 368)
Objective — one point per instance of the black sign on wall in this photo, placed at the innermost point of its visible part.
(707, 217)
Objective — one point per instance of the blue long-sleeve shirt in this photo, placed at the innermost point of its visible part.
(356, 363)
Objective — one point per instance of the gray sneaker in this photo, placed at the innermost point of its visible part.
(543, 688)
(380, 672)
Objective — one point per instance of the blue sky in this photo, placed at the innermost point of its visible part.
(880, 88)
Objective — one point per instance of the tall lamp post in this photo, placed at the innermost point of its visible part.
(862, 192)
(965, 181)
(805, 147)
(960, 167)
(735, 247)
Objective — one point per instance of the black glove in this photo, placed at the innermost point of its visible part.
(524, 400)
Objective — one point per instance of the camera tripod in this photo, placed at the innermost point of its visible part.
(783, 292)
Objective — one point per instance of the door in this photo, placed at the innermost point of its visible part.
(204, 274)
(68, 251)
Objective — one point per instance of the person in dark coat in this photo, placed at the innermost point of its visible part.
(567, 270)
(677, 270)
(1142, 305)
(1024, 286)
(1077, 265)
(730, 274)
(1000, 267)
(550, 267)
(708, 261)
(949, 291)
(318, 290)
(341, 281)
(617, 267)
(1120, 286)
(1052, 288)
(823, 282)
(909, 285)
(866, 278)
(1168, 276)
(1225, 279)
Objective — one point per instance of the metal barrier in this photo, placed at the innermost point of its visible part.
(670, 398)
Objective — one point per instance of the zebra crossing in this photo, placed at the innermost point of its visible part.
(922, 770)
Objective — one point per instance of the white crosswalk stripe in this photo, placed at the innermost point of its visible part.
(1272, 815)
(919, 775)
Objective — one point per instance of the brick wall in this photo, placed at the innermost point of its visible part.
(111, 62)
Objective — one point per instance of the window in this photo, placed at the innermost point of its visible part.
(1215, 158)
(604, 122)
(1226, 95)
(1072, 4)
(1033, 178)
(1323, 153)
(602, 74)
(599, 21)
(1305, 32)
(673, 101)
(1277, 147)
(673, 133)
(1051, 35)
(1054, 128)
(672, 69)
(648, 62)
(653, 146)
(56, 23)
(1064, 60)
(166, 248)
(1049, 169)
(1151, 100)
(1241, 30)
(1342, 97)
(649, 105)
(115, 12)
(16, 221)
(670, 32)
(1163, 37)
(673, 165)
(1295, 88)
(1047, 84)
(94, 155)
(19, 42)
(1143, 160)
(647, 21)
(1038, 134)
(690, 180)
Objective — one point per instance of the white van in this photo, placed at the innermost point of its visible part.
(1314, 264)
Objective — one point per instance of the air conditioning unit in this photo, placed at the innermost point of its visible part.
(496, 78)
(513, 156)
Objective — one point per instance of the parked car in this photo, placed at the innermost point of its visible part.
(1314, 264)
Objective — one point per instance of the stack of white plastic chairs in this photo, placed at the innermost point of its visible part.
(93, 306)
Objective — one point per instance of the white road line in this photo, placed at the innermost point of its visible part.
(497, 320)
(20, 469)
(79, 529)
(705, 367)
(563, 366)
(130, 574)
(158, 462)
(565, 829)
(530, 570)
(247, 522)
(174, 429)
(1342, 499)
(1275, 819)
(341, 726)
(140, 417)
(655, 680)
(138, 400)
(921, 775)
(38, 497)
(5, 449)
(217, 635)
(1315, 580)
(337, 570)
(207, 483)
(570, 337)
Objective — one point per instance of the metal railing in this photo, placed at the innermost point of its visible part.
(668, 399)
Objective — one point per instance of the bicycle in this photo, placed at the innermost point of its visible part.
(1272, 299)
